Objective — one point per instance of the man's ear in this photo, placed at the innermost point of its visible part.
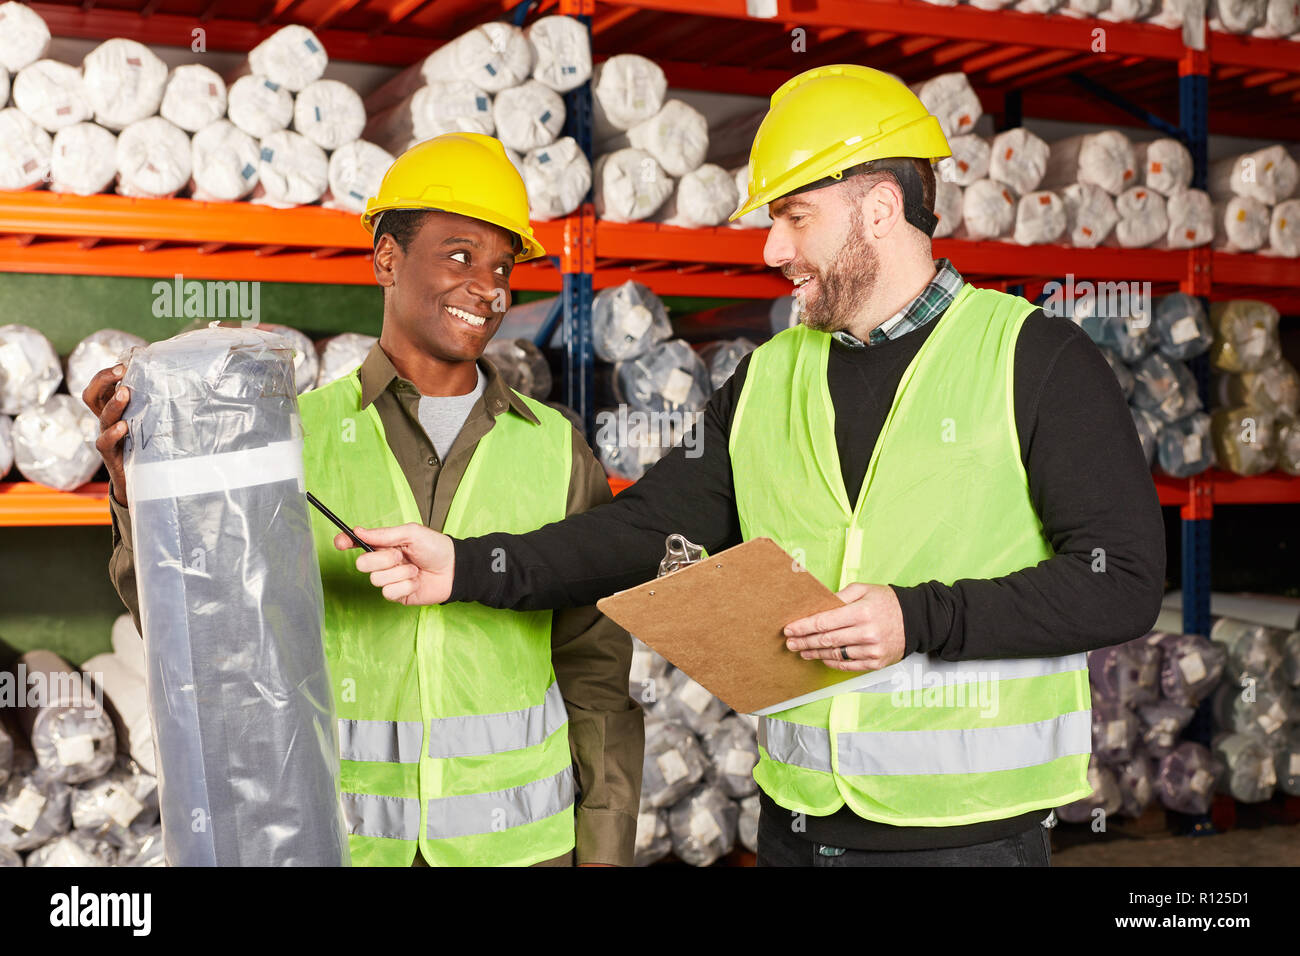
(387, 258)
(883, 207)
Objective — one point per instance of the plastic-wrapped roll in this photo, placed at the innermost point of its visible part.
(124, 692)
(704, 197)
(195, 97)
(1190, 667)
(1251, 769)
(238, 688)
(109, 806)
(673, 763)
(647, 676)
(1185, 779)
(1090, 214)
(341, 354)
(1038, 6)
(732, 748)
(124, 82)
(29, 368)
(1245, 335)
(522, 365)
(24, 37)
(1284, 229)
(1143, 218)
(988, 210)
(947, 208)
(747, 829)
(1288, 446)
(1288, 764)
(1274, 388)
(723, 357)
(627, 321)
(1085, 8)
(1127, 675)
(1191, 219)
(292, 56)
(1291, 658)
(1114, 732)
(1128, 335)
(669, 377)
(1269, 175)
(494, 56)
(1182, 328)
(1136, 780)
(991, 4)
(1040, 219)
(355, 171)
(98, 350)
(306, 363)
(557, 177)
(1165, 165)
(441, 107)
(758, 218)
(1166, 388)
(71, 735)
(1185, 447)
(293, 171)
(1103, 159)
(950, 98)
(689, 703)
(703, 827)
(9, 857)
(154, 159)
(329, 113)
(1018, 159)
(625, 456)
(54, 443)
(1281, 19)
(73, 849)
(33, 805)
(1245, 439)
(6, 741)
(1236, 16)
(24, 151)
(1126, 11)
(1105, 796)
(1253, 649)
(259, 106)
(626, 89)
(677, 137)
(6, 462)
(630, 185)
(1162, 725)
(561, 52)
(968, 163)
(653, 840)
(224, 162)
(1255, 706)
(1148, 428)
(52, 94)
(146, 848)
(83, 159)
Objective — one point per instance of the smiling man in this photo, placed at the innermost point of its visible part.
(469, 735)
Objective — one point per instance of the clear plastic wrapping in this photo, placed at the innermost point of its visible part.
(110, 806)
(653, 839)
(73, 849)
(292, 56)
(732, 748)
(703, 827)
(1103, 159)
(557, 177)
(1018, 158)
(1123, 374)
(97, 351)
(647, 677)
(29, 368)
(1182, 328)
(1148, 427)
(1136, 781)
(627, 321)
(723, 357)
(1269, 175)
(9, 857)
(1291, 659)
(1105, 796)
(630, 185)
(195, 97)
(1190, 668)
(1245, 335)
(1162, 725)
(673, 763)
(355, 171)
(669, 377)
(493, 56)
(1191, 219)
(1186, 777)
(341, 354)
(83, 159)
(1127, 675)
(561, 52)
(1250, 768)
(528, 116)
(52, 94)
(24, 151)
(224, 162)
(6, 755)
(440, 107)
(626, 89)
(1114, 731)
(24, 37)
(259, 106)
(1274, 388)
(1165, 387)
(1255, 706)
(1090, 214)
(677, 137)
(54, 443)
(34, 807)
(1253, 649)
(1288, 764)
(1241, 223)
(306, 363)
(294, 171)
(1288, 446)
(704, 197)
(71, 734)
(691, 704)
(522, 365)
(1245, 439)
(1284, 229)
(747, 829)
(1186, 446)
(124, 82)
(329, 113)
(947, 208)
(154, 159)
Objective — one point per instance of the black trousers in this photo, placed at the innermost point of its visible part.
(779, 845)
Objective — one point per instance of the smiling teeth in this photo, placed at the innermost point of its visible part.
(470, 317)
(800, 280)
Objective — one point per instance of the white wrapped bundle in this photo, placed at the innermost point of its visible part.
(73, 849)
(1254, 650)
(703, 197)
(306, 363)
(4, 86)
(647, 676)
(703, 827)
(561, 52)
(34, 807)
(9, 857)
(1163, 164)
(224, 161)
(748, 827)
(1162, 726)
(453, 106)
(1040, 219)
(1129, 10)
(1245, 439)
(1148, 428)
(1038, 6)
(626, 89)
(1190, 666)
(1291, 658)
(1105, 796)
(1274, 388)
(1103, 159)
(146, 848)
(1288, 764)
(951, 100)
(522, 365)
(672, 765)
(1191, 219)
(294, 171)
(669, 377)
(988, 210)
(758, 219)
(1288, 450)
(1142, 217)
(124, 82)
(29, 369)
(1241, 223)
(1085, 8)
(24, 37)
(1245, 338)
(1268, 174)
(98, 350)
(1018, 158)
(1181, 14)
(195, 97)
(24, 151)
(154, 159)
(653, 839)
(292, 57)
(1136, 779)
(677, 137)
(732, 747)
(121, 679)
(991, 4)
(723, 357)
(1123, 374)
(52, 94)
(329, 113)
(83, 159)
(106, 808)
(1281, 19)
(1114, 731)
(1186, 447)
(6, 741)
(630, 185)
(1125, 676)
(557, 176)
(628, 456)
(1185, 779)
(947, 208)
(1181, 326)
(6, 462)
(355, 171)
(691, 704)
(1089, 214)
(1236, 16)
(1251, 771)
(627, 320)
(1284, 229)
(259, 106)
(528, 116)
(70, 733)
(969, 160)
(493, 56)
(341, 354)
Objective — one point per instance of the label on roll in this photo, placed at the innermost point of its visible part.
(1184, 330)
(1193, 668)
(1202, 780)
(694, 696)
(740, 763)
(75, 750)
(672, 766)
(122, 806)
(26, 810)
(677, 387)
(704, 828)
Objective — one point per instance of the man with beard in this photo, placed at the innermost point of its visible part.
(961, 466)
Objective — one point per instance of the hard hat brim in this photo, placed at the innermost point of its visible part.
(530, 248)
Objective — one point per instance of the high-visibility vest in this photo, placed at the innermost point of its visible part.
(945, 497)
(453, 732)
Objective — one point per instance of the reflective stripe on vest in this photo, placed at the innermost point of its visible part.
(918, 672)
(498, 733)
(392, 818)
(391, 741)
(500, 810)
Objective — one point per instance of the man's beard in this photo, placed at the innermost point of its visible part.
(844, 286)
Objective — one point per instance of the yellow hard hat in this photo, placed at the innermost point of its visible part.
(830, 118)
(465, 173)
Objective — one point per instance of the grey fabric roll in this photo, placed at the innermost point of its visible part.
(673, 763)
(70, 733)
(732, 747)
(231, 603)
(33, 805)
(703, 826)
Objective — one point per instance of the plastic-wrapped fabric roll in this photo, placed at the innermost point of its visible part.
(194, 98)
(52, 94)
(1165, 387)
(124, 82)
(292, 56)
(1165, 165)
(1281, 19)
(758, 218)
(1253, 705)
(54, 443)
(259, 106)
(9, 857)
(1084, 8)
(6, 746)
(674, 762)
(653, 840)
(1162, 725)
(98, 350)
(1236, 16)
(24, 37)
(968, 163)
(1245, 439)
(224, 162)
(703, 827)
(988, 210)
(1148, 428)
(950, 98)
(108, 806)
(626, 89)
(704, 197)
(4, 85)
(1253, 649)
(689, 703)
(329, 113)
(1269, 175)
(991, 4)
(627, 321)
(561, 52)
(1136, 780)
(522, 365)
(24, 151)
(306, 363)
(1114, 732)
(1103, 159)
(341, 354)
(1284, 229)
(29, 368)
(1288, 446)
(1105, 796)
(732, 748)
(83, 160)
(213, 460)
(1090, 214)
(154, 159)
(557, 177)
(1291, 658)
(1288, 764)
(441, 107)
(628, 456)
(1191, 219)
(1129, 335)
(947, 208)
(1143, 218)
(1190, 668)
(677, 137)
(1185, 779)
(747, 829)
(293, 170)
(630, 185)
(146, 848)
(723, 357)
(127, 703)
(1126, 11)
(669, 377)
(1182, 328)
(33, 805)
(1127, 675)
(493, 56)
(1245, 335)
(1040, 219)
(6, 450)
(73, 849)
(355, 171)
(1185, 447)
(1038, 6)
(647, 676)
(71, 735)
(1251, 769)
(1018, 159)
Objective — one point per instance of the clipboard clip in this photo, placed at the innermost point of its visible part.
(678, 553)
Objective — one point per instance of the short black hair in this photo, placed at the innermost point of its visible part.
(924, 172)
(402, 224)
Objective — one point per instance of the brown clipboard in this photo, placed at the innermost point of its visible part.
(721, 621)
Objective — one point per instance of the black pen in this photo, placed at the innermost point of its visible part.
(337, 522)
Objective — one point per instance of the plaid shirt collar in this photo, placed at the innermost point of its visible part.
(926, 307)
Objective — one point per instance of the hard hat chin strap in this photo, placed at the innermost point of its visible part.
(904, 171)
